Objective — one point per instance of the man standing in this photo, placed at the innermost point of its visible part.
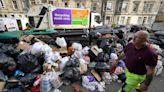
(140, 62)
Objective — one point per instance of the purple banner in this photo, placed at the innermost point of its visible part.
(61, 17)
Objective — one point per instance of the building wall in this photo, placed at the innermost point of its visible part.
(10, 11)
(160, 15)
(65, 3)
(96, 5)
(121, 17)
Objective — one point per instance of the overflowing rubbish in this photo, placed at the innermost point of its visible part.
(37, 66)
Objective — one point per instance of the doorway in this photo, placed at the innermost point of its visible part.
(19, 24)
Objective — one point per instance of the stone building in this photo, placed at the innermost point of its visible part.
(131, 12)
(160, 15)
(64, 3)
(14, 8)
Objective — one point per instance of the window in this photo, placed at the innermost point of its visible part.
(94, 6)
(124, 6)
(144, 20)
(135, 6)
(44, 1)
(79, 5)
(0, 15)
(119, 7)
(12, 16)
(33, 2)
(149, 19)
(5, 15)
(161, 9)
(109, 6)
(107, 19)
(162, 4)
(1, 4)
(24, 4)
(15, 6)
(128, 20)
(97, 19)
(148, 6)
(20, 15)
(51, 2)
(122, 20)
(66, 4)
(139, 21)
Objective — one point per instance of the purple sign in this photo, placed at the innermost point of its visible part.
(61, 17)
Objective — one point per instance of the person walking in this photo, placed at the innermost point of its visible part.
(140, 60)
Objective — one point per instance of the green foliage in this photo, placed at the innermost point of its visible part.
(113, 25)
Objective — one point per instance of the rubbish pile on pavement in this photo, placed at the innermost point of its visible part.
(35, 66)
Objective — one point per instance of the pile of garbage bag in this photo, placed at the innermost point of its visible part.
(36, 66)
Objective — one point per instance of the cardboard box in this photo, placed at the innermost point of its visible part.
(23, 45)
(62, 50)
(96, 75)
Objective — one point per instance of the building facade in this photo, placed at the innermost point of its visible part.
(160, 15)
(14, 8)
(131, 12)
(96, 5)
(19, 8)
(64, 3)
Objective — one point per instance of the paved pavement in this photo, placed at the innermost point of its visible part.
(157, 85)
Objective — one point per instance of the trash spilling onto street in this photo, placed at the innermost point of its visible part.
(32, 65)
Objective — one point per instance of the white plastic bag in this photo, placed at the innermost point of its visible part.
(158, 68)
(85, 50)
(40, 48)
(77, 54)
(57, 90)
(51, 57)
(61, 42)
(89, 82)
(63, 63)
(76, 46)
